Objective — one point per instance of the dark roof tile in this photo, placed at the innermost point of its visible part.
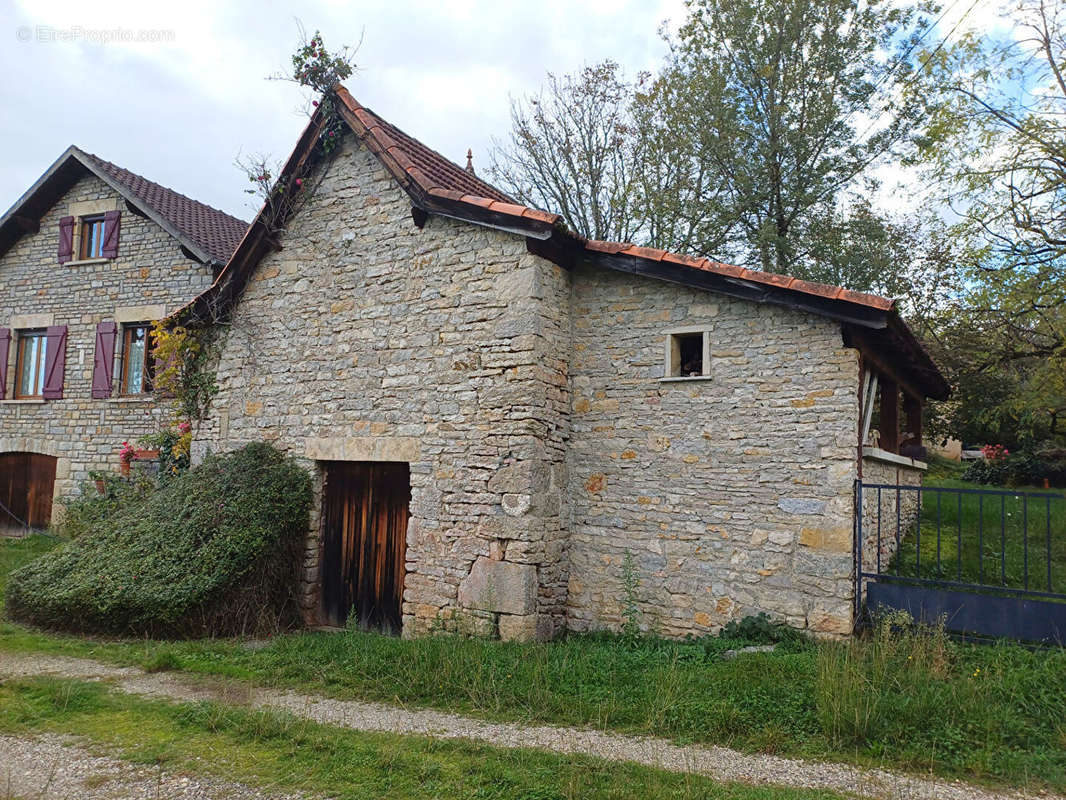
(216, 232)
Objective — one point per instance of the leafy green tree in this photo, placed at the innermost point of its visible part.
(996, 146)
(785, 105)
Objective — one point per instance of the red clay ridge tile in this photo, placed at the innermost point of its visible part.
(364, 117)
(598, 246)
(419, 177)
(819, 289)
(510, 209)
(862, 298)
(480, 202)
(725, 269)
(540, 216)
(771, 278)
(401, 158)
(447, 194)
(686, 261)
(383, 138)
(649, 253)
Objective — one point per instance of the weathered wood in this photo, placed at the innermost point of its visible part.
(888, 425)
(27, 481)
(364, 542)
(742, 289)
(912, 419)
(27, 224)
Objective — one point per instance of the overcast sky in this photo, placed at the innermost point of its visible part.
(179, 109)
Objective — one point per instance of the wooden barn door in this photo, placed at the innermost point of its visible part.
(27, 481)
(364, 542)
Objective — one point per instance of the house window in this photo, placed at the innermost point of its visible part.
(688, 354)
(137, 366)
(29, 364)
(92, 237)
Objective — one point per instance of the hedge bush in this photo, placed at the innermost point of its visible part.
(1028, 467)
(215, 550)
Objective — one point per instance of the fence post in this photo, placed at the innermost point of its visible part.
(858, 553)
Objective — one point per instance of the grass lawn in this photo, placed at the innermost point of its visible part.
(284, 753)
(1001, 537)
(914, 702)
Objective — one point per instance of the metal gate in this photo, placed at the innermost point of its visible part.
(989, 562)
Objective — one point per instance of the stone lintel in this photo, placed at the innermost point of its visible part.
(364, 448)
(150, 313)
(27, 321)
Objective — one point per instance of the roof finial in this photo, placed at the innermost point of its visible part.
(470, 161)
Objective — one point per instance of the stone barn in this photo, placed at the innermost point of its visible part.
(499, 413)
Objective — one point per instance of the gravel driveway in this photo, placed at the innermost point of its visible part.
(53, 768)
(716, 762)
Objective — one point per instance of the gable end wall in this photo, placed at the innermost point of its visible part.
(733, 495)
(367, 338)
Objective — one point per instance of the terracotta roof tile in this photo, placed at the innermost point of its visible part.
(216, 232)
(436, 167)
(507, 208)
(864, 299)
(540, 216)
(649, 253)
(440, 177)
(686, 261)
(723, 269)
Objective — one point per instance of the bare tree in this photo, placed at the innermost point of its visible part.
(571, 150)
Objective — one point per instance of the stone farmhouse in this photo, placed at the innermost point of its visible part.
(501, 416)
(90, 256)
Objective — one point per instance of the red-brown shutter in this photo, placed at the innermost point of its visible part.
(111, 227)
(5, 341)
(66, 239)
(55, 362)
(104, 360)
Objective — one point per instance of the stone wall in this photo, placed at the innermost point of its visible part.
(83, 433)
(886, 512)
(733, 493)
(367, 338)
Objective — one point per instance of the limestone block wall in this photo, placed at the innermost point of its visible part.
(83, 433)
(367, 338)
(733, 494)
(885, 512)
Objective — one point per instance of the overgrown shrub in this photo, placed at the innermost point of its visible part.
(91, 509)
(215, 550)
(759, 628)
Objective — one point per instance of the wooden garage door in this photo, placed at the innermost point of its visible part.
(27, 481)
(364, 542)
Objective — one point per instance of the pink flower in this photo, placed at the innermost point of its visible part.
(184, 427)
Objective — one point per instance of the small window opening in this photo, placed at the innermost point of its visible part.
(687, 357)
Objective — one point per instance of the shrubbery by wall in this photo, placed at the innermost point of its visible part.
(214, 550)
